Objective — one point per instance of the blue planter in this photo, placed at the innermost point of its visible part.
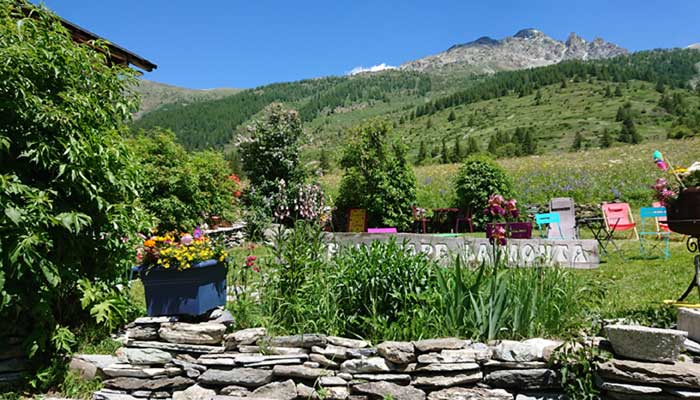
(193, 291)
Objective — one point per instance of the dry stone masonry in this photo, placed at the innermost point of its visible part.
(163, 358)
(166, 359)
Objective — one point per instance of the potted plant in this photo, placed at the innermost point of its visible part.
(682, 201)
(182, 274)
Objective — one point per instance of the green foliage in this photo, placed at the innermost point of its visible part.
(422, 153)
(324, 161)
(257, 217)
(578, 142)
(67, 181)
(499, 302)
(182, 189)
(578, 360)
(381, 289)
(76, 387)
(605, 139)
(271, 153)
(477, 179)
(376, 178)
(109, 305)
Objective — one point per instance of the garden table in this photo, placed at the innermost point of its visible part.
(440, 220)
(601, 233)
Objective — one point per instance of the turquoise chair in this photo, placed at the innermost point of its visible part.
(549, 219)
(651, 215)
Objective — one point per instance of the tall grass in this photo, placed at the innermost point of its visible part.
(383, 292)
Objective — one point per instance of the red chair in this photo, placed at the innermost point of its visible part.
(465, 217)
(618, 218)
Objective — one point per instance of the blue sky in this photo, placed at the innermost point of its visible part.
(235, 43)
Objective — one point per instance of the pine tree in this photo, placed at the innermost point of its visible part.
(493, 145)
(429, 124)
(618, 91)
(538, 97)
(629, 133)
(606, 139)
(451, 117)
(457, 151)
(563, 84)
(472, 146)
(422, 153)
(324, 163)
(578, 142)
(608, 92)
(660, 87)
(444, 157)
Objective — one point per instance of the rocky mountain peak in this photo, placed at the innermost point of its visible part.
(529, 33)
(528, 48)
(695, 46)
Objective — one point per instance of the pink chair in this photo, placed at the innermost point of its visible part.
(661, 221)
(381, 230)
(618, 218)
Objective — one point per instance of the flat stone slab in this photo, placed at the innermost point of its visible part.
(460, 393)
(246, 377)
(447, 367)
(398, 378)
(475, 352)
(90, 365)
(627, 388)
(305, 341)
(437, 345)
(128, 370)
(298, 371)
(680, 374)
(173, 383)
(345, 342)
(523, 379)
(385, 389)
(207, 333)
(439, 381)
(366, 365)
(689, 321)
(646, 344)
(176, 347)
(143, 356)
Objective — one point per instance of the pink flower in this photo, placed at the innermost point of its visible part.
(250, 261)
(186, 239)
(197, 233)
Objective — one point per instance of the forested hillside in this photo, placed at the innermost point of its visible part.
(442, 117)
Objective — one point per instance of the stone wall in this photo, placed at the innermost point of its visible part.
(165, 359)
(13, 361)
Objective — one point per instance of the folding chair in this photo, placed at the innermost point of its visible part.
(661, 221)
(566, 209)
(653, 213)
(618, 217)
(464, 217)
(552, 221)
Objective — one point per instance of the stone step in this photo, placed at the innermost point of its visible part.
(689, 321)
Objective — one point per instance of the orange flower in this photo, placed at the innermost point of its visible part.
(149, 243)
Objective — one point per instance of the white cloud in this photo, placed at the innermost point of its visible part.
(375, 68)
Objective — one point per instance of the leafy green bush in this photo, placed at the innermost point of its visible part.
(67, 181)
(271, 153)
(477, 179)
(179, 188)
(377, 179)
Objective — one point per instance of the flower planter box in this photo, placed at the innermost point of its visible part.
(684, 213)
(514, 230)
(193, 291)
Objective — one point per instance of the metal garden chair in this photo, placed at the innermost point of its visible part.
(653, 215)
(552, 221)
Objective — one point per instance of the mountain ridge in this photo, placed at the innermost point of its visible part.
(528, 48)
